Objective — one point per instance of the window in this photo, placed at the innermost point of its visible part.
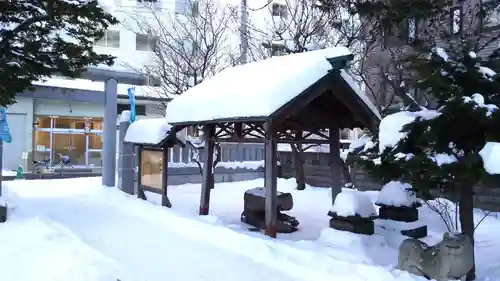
(277, 50)
(412, 30)
(278, 10)
(145, 42)
(111, 39)
(140, 109)
(195, 8)
(490, 15)
(456, 20)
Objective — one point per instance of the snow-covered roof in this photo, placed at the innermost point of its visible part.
(253, 90)
(151, 131)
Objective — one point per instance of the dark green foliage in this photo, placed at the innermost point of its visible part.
(460, 131)
(40, 38)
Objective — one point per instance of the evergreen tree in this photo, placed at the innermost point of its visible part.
(40, 38)
(439, 149)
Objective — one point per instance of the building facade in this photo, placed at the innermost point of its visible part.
(384, 65)
(65, 117)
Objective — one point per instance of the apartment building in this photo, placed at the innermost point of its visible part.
(383, 65)
(66, 116)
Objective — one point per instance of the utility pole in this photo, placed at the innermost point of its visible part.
(244, 32)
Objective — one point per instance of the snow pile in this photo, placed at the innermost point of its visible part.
(490, 154)
(148, 131)
(125, 116)
(151, 131)
(45, 250)
(254, 89)
(390, 127)
(397, 194)
(352, 203)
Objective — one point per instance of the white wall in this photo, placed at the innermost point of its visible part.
(24, 106)
(65, 108)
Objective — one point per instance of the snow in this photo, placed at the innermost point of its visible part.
(125, 116)
(443, 159)
(80, 229)
(395, 193)
(390, 127)
(251, 165)
(490, 154)
(442, 53)
(478, 101)
(89, 85)
(255, 89)
(352, 204)
(151, 131)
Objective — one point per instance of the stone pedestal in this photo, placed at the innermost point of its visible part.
(402, 219)
(411, 229)
(354, 224)
(254, 210)
(406, 214)
(3, 213)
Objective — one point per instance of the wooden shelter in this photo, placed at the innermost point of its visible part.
(309, 100)
(153, 138)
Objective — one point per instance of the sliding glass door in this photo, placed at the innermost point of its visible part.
(78, 138)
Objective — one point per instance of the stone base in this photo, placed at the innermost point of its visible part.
(284, 223)
(411, 229)
(353, 224)
(419, 232)
(3, 214)
(405, 214)
(254, 199)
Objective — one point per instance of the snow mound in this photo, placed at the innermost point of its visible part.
(353, 203)
(390, 127)
(151, 131)
(397, 194)
(491, 157)
(51, 252)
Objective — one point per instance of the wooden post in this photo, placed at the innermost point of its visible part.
(271, 181)
(334, 136)
(164, 179)
(208, 161)
(140, 192)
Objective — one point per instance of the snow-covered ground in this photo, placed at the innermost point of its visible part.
(75, 229)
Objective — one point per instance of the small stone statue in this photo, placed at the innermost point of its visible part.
(449, 259)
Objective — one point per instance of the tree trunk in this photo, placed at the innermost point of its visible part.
(298, 167)
(466, 212)
(347, 176)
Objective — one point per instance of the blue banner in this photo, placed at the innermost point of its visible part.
(131, 97)
(4, 126)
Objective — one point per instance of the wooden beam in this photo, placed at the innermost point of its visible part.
(164, 179)
(208, 162)
(302, 100)
(271, 181)
(336, 186)
(140, 192)
(238, 130)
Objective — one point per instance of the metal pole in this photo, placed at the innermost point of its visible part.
(1, 166)
(109, 133)
(244, 32)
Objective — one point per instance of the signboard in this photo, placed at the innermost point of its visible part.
(4, 126)
(88, 126)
